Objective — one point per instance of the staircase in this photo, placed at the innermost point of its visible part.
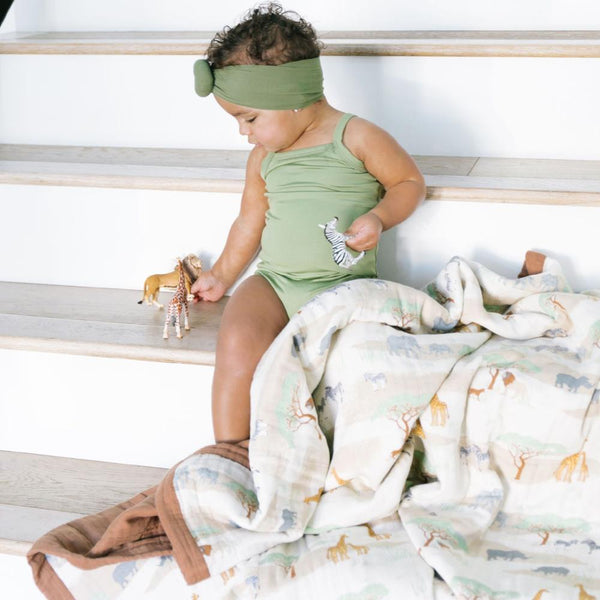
(111, 167)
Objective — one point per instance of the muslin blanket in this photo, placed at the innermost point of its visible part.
(406, 444)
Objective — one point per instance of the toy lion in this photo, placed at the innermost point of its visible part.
(192, 266)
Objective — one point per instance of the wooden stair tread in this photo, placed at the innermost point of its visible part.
(544, 181)
(102, 322)
(337, 43)
(22, 525)
(39, 492)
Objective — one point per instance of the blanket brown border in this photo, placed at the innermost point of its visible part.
(187, 553)
(148, 524)
(533, 264)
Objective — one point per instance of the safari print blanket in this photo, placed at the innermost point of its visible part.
(405, 444)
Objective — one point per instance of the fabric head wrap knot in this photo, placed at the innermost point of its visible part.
(270, 87)
(203, 78)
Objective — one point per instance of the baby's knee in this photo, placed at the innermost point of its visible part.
(241, 345)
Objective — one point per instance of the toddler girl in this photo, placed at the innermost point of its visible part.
(310, 164)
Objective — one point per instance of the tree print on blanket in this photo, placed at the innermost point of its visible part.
(247, 497)
(302, 412)
(295, 410)
(552, 307)
(403, 312)
(282, 560)
(439, 532)
(498, 365)
(432, 291)
(546, 525)
(523, 448)
(403, 410)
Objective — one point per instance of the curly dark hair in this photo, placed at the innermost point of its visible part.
(267, 35)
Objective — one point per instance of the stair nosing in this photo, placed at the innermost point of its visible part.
(39, 492)
(505, 43)
(14, 547)
(472, 179)
(84, 324)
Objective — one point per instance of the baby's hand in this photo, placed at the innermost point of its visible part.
(208, 287)
(364, 232)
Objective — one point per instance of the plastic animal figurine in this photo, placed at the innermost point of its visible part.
(191, 268)
(153, 284)
(341, 256)
(177, 305)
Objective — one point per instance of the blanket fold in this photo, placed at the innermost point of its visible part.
(396, 433)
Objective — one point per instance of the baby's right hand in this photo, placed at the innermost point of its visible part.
(208, 287)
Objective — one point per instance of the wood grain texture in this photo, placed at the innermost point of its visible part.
(570, 44)
(473, 179)
(15, 547)
(102, 322)
(70, 485)
(22, 525)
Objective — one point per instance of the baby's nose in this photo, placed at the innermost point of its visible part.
(244, 129)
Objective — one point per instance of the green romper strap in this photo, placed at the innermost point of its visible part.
(338, 132)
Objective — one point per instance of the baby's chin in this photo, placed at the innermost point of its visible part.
(265, 148)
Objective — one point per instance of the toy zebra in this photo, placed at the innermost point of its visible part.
(341, 256)
(177, 304)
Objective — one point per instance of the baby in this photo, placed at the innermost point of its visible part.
(310, 164)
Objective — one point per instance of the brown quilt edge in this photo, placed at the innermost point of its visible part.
(46, 579)
(56, 543)
(188, 555)
(177, 542)
(533, 264)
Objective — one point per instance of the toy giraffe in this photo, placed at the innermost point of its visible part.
(177, 304)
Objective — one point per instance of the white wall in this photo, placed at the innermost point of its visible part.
(115, 410)
(187, 15)
(10, 21)
(513, 107)
(116, 238)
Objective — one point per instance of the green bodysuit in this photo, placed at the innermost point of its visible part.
(306, 188)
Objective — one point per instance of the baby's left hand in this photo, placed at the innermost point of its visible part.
(365, 232)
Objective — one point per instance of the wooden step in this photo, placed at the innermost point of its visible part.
(38, 493)
(337, 43)
(102, 322)
(533, 181)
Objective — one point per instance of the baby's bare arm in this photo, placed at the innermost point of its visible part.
(394, 168)
(244, 235)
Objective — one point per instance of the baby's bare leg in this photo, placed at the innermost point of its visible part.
(252, 319)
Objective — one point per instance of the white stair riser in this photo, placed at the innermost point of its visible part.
(116, 238)
(113, 410)
(496, 235)
(108, 237)
(378, 14)
(16, 578)
(517, 107)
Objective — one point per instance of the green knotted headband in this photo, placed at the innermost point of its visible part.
(271, 87)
